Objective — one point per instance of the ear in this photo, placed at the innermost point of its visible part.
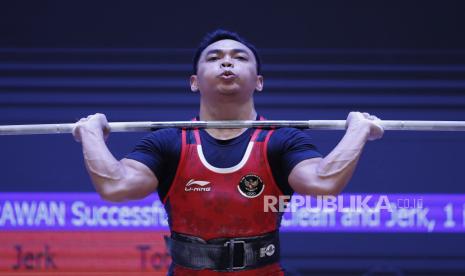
(194, 83)
(259, 85)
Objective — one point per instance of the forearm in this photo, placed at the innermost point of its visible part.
(332, 173)
(342, 160)
(329, 175)
(104, 169)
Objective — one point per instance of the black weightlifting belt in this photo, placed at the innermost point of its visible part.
(223, 254)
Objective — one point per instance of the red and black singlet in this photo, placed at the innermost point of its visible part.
(209, 202)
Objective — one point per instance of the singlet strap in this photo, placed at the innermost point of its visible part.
(257, 130)
(255, 135)
(196, 133)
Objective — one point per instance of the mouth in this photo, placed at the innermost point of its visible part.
(227, 75)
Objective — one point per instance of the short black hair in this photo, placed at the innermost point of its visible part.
(220, 34)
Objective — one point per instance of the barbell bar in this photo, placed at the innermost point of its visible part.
(303, 124)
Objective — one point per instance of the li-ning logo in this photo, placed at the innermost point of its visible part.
(197, 186)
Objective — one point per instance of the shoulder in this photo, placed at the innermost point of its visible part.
(289, 136)
(288, 131)
(290, 142)
(164, 133)
(160, 140)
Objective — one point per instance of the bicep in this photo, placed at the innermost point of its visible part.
(139, 180)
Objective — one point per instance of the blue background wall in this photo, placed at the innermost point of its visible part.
(60, 61)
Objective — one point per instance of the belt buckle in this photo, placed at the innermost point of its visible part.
(231, 246)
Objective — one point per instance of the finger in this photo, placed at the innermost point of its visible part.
(75, 132)
(377, 132)
(366, 115)
(106, 129)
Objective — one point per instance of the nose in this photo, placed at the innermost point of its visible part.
(226, 63)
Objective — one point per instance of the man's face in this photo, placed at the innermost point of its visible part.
(227, 68)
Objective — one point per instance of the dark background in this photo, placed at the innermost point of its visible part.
(62, 60)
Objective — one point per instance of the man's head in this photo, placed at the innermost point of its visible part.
(226, 65)
(218, 35)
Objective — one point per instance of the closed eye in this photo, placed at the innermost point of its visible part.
(212, 58)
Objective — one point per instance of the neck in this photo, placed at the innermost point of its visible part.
(226, 111)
